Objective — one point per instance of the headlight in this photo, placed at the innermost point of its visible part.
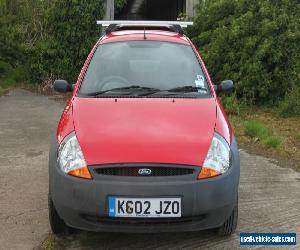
(217, 160)
(70, 158)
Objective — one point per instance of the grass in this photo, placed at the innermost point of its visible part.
(272, 141)
(49, 243)
(297, 137)
(269, 131)
(264, 132)
(6, 84)
(255, 129)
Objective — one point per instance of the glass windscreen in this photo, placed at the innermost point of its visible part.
(152, 64)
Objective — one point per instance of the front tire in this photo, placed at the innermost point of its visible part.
(58, 226)
(230, 224)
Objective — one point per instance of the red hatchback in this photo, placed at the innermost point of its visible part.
(143, 144)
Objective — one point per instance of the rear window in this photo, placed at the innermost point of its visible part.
(154, 64)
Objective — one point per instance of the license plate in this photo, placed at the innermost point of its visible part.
(144, 207)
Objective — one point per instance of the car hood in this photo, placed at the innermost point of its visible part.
(148, 130)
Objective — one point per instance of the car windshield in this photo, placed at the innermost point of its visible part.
(135, 66)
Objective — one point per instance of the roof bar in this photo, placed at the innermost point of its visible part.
(114, 25)
(123, 23)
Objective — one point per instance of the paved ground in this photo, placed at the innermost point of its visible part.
(269, 195)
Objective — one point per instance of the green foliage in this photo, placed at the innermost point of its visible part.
(72, 33)
(255, 129)
(18, 74)
(260, 132)
(7, 83)
(231, 104)
(272, 141)
(297, 137)
(22, 24)
(255, 43)
(119, 4)
(49, 38)
(5, 68)
(290, 105)
(49, 243)
(12, 76)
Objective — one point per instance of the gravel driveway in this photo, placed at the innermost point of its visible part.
(269, 195)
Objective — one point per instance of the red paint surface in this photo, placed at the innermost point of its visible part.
(151, 35)
(223, 126)
(65, 125)
(155, 130)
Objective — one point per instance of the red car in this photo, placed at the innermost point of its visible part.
(144, 144)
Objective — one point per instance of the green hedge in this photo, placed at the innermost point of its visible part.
(255, 43)
(290, 105)
(72, 30)
(48, 39)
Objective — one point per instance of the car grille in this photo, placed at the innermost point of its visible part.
(134, 171)
(142, 221)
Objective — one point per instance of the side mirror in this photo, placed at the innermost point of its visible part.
(62, 86)
(225, 86)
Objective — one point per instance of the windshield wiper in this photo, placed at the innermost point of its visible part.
(187, 88)
(132, 87)
(178, 91)
(149, 90)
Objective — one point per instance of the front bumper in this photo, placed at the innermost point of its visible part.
(83, 204)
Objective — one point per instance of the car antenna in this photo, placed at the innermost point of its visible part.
(145, 33)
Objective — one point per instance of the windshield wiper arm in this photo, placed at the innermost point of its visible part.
(132, 87)
(187, 88)
(181, 89)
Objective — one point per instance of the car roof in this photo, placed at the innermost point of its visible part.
(138, 35)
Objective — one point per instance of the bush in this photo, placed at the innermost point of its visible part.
(73, 32)
(231, 104)
(52, 38)
(290, 106)
(255, 43)
(5, 68)
(19, 74)
(10, 75)
(119, 4)
(7, 82)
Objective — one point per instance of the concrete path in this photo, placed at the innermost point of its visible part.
(269, 194)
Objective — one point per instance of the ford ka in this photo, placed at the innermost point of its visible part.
(144, 144)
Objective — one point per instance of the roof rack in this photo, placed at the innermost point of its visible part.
(114, 25)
